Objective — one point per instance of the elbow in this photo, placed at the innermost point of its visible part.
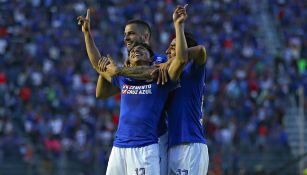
(99, 95)
(202, 55)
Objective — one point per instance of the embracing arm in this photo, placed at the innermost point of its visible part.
(198, 54)
(138, 72)
(107, 69)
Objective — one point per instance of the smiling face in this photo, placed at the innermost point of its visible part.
(133, 34)
(171, 50)
(139, 55)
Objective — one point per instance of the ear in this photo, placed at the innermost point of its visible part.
(147, 37)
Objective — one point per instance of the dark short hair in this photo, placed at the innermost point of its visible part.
(144, 45)
(191, 41)
(143, 24)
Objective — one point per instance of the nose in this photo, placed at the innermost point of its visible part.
(126, 38)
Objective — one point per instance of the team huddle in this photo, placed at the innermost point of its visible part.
(160, 129)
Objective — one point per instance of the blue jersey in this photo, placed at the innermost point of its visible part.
(158, 59)
(185, 110)
(141, 106)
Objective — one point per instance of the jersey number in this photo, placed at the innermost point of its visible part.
(182, 172)
(140, 171)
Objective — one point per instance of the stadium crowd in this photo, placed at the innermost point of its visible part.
(48, 109)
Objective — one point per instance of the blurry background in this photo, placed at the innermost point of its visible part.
(51, 122)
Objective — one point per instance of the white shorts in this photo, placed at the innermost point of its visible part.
(188, 159)
(134, 161)
(163, 145)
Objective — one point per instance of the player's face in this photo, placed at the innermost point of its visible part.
(171, 52)
(139, 55)
(133, 34)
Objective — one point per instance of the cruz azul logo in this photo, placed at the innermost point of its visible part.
(129, 89)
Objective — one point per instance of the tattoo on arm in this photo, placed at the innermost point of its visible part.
(138, 72)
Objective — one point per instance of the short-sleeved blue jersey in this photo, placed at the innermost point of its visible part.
(141, 106)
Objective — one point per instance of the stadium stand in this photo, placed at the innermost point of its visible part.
(51, 122)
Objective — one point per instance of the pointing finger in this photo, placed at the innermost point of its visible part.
(88, 14)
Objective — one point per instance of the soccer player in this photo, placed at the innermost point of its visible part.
(135, 31)
(188, 152)
(135, 150)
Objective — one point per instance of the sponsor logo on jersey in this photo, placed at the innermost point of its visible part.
(134, 90)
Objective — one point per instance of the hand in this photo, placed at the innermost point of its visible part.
(102, 64)
(127, 63)
(161, 73)
(180, 14)
(85, 22)
(111, 68)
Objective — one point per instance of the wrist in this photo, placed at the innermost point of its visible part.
(116, 71)
(179, 25)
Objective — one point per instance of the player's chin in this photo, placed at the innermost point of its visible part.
(129, 47)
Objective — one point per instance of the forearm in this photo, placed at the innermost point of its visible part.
(138, 72)
(175, 69)
(181, 44)
(105, 89)
(92, 51)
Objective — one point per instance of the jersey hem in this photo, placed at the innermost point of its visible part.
(134, 146)
(187, 142)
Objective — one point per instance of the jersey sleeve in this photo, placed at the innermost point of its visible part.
(116, 81)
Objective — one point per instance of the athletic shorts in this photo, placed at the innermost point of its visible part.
(163, 145)
(134, 161)
(188, 159)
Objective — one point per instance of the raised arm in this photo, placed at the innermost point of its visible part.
(178, 63)
(104, 88)
(91, 49)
